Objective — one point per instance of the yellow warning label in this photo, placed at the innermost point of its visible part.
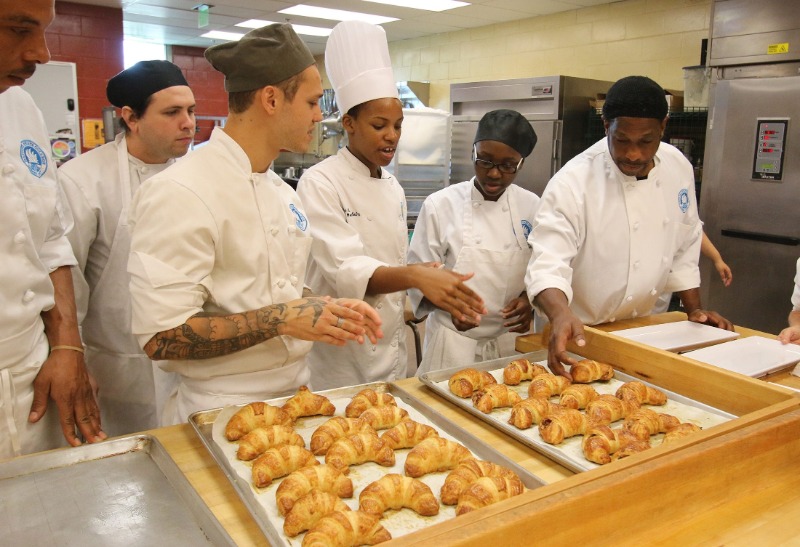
(773, 49)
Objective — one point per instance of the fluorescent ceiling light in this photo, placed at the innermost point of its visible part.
(220, 35)
(335, 14)
(305, 30)
(430, 5)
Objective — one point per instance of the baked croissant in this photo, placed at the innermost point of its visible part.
(679, 432)
(577, 396)
(588, 370)
(262, 439)
(608, 408)
(252, 416)
(466, 381)
(407, 433)
(324, 478)
(494, 396)
(644, 422)
(395, 491)
(307, 403)
(530, 411)
(357, 449)
(521, 369)
(600, 442)
(279, 461)
(466, 473)
(383, 417)
(307, 511)
(486, 491)
(336, 428)
(547, 385)
(641, 393)
(435, 454)
(367, 398)
(344, 529)
(562, 423)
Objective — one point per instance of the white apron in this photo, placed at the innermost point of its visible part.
(499, 277)
(17, 435)
(132, 388)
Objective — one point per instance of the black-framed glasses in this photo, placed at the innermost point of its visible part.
(505, 168)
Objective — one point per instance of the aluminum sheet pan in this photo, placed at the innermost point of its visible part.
(121, 492)
(570, 452)
(210, 427)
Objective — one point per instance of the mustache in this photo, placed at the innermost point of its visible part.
(26, 71)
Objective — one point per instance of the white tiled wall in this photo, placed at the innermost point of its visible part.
(655, 38)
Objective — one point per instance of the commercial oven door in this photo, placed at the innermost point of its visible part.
(750, 199)
(535, 172)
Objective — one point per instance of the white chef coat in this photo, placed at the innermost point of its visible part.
(34, 244)
(99, 185)
(796, 293)
(458, 227)
(208, 235)
(613, 243)
(358, 224)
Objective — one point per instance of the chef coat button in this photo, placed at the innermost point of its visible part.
(274, 231)
(505, 208)
(20, 238)
(628, 298)
(379, 306)
(629, 186)
(369, 219)
(8, 168)
(292, 229)
(653, 292)
(475, 204)
(277, 181)
(293, 279)
(281, 283)
(143, 170)
(612, 319)
(374, 348)
(28, 296)
(663, 259)
(634, 314)
(666, 221)
(636, 225)
(394, 343)
(636, 265)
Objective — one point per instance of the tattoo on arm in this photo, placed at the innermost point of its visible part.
(204, 335)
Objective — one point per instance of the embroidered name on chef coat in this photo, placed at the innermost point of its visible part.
(300, 220)
(33, 157)
(683, 200)
(526, 229)
(348, 213)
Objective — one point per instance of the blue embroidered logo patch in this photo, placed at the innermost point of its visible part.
(301, 221)
(526, 228)
(683, 200)
(33, 157)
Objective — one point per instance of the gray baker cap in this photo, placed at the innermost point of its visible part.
(262, 57)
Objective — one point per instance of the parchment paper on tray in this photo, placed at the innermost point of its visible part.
(570, 452)
(262, 500)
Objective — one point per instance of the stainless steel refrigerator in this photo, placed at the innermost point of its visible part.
(557, 108)
(750, 196)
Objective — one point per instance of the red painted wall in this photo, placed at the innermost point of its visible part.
(90, 37)
(207, 84)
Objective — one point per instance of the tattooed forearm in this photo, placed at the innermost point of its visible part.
(204, 335)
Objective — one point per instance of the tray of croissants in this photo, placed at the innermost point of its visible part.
(602, 415)
(353, 466)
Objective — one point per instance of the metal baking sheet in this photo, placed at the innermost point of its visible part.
(570, 452)
(210, 426)
(121, 492)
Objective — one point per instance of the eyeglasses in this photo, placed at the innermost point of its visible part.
(505, 168)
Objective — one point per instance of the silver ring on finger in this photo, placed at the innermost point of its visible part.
(339, 322)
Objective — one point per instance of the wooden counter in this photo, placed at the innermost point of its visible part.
(755, 504)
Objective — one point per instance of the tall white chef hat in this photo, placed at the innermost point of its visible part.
(358, 64)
